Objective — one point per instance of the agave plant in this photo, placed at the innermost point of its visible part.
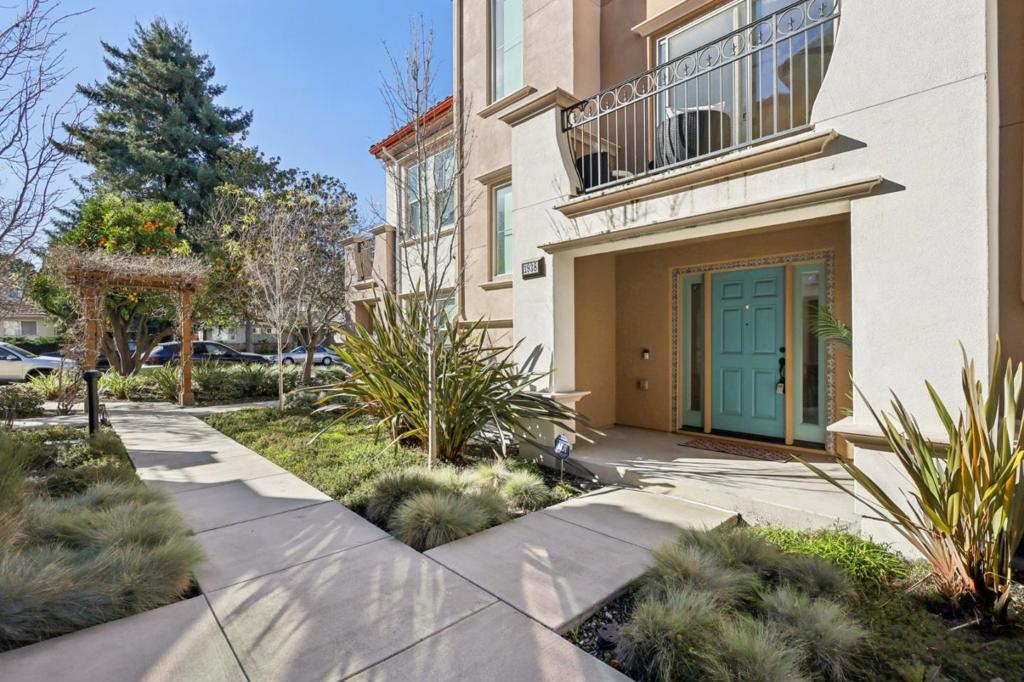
(963, 513)
(480, 389)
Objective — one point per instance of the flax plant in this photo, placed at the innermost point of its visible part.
(479, 391)
(965, 512)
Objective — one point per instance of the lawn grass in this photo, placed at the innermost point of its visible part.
(343, 462)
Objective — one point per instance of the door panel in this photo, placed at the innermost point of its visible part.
(748, 334)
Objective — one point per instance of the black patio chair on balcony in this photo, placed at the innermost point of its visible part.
(688, 134)
(593, 169)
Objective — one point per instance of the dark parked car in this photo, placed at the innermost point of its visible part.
(202, 351)
(77, 352)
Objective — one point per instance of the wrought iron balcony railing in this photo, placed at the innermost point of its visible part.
(746, 87)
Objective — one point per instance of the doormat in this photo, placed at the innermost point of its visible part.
(739, 449)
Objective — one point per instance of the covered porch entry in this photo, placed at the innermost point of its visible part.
(715, 336)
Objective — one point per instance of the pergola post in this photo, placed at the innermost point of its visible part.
(91, 305)
(186, 397)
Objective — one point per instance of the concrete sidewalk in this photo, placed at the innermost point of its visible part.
(296, 587)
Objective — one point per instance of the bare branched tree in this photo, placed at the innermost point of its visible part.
(272, 249)
(31, 70)
(426, 169)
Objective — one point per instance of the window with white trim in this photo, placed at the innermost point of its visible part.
(507, 47)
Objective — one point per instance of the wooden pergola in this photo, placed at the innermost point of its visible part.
(93, 274)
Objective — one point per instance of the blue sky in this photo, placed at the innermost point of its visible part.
(310, 71)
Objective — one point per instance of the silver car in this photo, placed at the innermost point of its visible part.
(321, 356)
(18, 364)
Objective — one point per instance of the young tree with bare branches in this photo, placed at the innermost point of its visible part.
(31, 71)
(427, 174)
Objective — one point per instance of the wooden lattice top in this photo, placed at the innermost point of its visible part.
(101, 270)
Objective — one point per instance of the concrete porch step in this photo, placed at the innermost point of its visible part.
(762, 492)
(559, 565)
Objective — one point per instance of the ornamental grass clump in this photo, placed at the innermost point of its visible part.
(525, 491)
(750, 650)
(429, 519)
(392, 488)
(726, 605)
(480, 390)
(964, 510)
(820, 627)
(671, 636)
(82, 541)
(681, 566)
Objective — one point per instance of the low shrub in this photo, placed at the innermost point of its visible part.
(525, 491)
(830, 637)
(865, 561)
(60, 385)
(667, 638)
(126, 387)
(35, 344)
(18, 401)
(430, 519)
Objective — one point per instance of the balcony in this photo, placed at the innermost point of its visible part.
(747, 87)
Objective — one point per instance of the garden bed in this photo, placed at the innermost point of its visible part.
(82, 540)
(861, 614)
(391, 486)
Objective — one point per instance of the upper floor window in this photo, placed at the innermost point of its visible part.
(502, 221)
(507, 44)
(430, 193)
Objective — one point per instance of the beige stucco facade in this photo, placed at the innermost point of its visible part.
(908, 174)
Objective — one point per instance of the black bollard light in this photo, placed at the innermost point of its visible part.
(92, 399)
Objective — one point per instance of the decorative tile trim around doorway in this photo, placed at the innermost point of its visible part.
(826, 257)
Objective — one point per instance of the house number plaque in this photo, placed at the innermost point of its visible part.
(532, 268)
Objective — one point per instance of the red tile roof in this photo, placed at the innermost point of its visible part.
(435, 112)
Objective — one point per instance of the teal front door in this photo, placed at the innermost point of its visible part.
(748, 339)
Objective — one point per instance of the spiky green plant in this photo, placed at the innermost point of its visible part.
(831, 638)
(965, 511)
(830, 328)
(525, 491)
(167, 380)
(429, 519)
(124, 387)
(669, 637)
(480, 389)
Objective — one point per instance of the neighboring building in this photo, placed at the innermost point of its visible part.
(25, 320)
(661, 194)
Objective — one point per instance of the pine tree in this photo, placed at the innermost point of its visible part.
(158, 132)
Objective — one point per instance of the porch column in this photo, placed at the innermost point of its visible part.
(186, 397)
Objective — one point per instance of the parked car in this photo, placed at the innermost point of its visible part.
(78, 351)
(18, 364)
(202, 351)
(321, 356)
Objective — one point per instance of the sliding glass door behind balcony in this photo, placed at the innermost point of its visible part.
(741, 74)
